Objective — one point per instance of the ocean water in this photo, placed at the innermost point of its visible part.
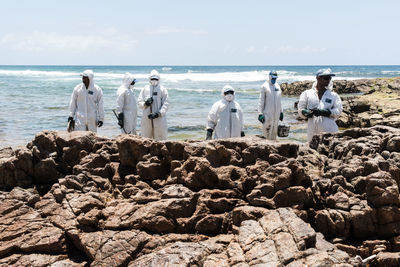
(36, 98)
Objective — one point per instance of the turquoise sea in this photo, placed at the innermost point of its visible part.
(35, 98)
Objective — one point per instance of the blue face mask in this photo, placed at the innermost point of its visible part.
(273, 80)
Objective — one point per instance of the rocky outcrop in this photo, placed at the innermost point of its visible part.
(377, 107)
(377, 101)
(345, 86)
(79, 199)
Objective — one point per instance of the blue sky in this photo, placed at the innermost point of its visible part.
(200, 32)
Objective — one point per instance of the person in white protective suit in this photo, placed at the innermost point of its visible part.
(269, 106)
(127, 105)
(320, 105)
(86, 105)
(225, 116)
(153, 99)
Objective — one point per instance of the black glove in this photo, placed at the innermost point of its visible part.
(70, 119)
(322, 112)
(242, 134)
(261, 118)
(209, 134)
(149, 101)
(307, 113)
(281, 116)
(154, 115)
(121, 119)
(315, 112)
(99, 124)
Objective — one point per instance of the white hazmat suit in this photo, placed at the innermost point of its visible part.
(126, 104)
(159, 129)
(86, 105)
(330, 100)
(225, 117)
(269, 104)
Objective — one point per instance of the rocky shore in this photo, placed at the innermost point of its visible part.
(374, 101)
(83, 200)
(345, 86)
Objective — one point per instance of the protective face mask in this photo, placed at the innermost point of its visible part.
(273, 81)
(153, 82)
(229, 97)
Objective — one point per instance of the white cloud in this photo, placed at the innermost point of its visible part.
(168, 30)
(52, 41)
(252, 50)
(287, 49)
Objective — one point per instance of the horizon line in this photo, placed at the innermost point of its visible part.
(201, 65)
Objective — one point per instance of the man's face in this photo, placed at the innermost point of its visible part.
(86, 81)
(323, 81)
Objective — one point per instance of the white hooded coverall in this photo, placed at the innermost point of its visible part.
(86, 105)
(126, 103)
(330, 100)
(225, 118)
(269, 104)
(160, 104)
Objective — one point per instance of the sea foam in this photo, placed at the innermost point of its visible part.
(243, 76)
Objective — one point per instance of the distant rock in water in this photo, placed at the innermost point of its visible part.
(344, 86)
(80, 199)
(377, 104)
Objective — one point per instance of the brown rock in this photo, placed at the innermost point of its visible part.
(198, 200)
(395, 243)
(110, 248)
(382, 190)
(211, 224)
(387, 259)
(176, 191)
(23, 230)
(393, 144)
(178, 254)
(85, 202)
(38, 260)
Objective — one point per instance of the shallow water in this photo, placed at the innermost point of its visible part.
(36, 98)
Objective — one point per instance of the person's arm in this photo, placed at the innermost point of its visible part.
(135, 116)
(302, 105)
(120, 101)
(100, 105)
(142, 99)
(261, 101)
(212, 117)
(72, 103)
(241, 120)
(337, 107)
(164, 101)
(279, 99)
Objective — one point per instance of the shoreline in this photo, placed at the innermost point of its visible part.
(377, 103)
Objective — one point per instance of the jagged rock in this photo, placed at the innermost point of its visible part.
(177, 254)
(23, 230)
(387, 259)
(344, 86)
(238, 202)
(39, 260)
(110, 248)
(378, 103)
